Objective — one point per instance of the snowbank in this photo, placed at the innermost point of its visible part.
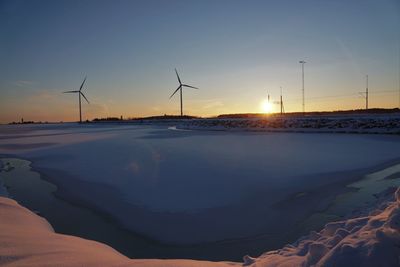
(371, 240)
(29, 240)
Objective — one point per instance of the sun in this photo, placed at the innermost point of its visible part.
(266, 106)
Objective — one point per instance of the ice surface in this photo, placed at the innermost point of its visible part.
(199, 186)
(3, 190)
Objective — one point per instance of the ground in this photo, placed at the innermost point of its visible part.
(200, 186)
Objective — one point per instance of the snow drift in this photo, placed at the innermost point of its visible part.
(29, 240)
(372, 240)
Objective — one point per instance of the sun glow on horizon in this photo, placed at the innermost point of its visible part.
(266, 106)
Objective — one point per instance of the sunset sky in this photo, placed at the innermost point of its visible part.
(236, 52)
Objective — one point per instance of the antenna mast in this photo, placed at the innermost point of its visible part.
(302, 62)
(281, 103)
(366, 95)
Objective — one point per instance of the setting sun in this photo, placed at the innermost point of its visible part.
(266, 106)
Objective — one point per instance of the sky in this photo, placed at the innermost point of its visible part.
(236, 52)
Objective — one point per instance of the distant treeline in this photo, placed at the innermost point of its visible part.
(257, 115)
(29, 122)
(162, 117)
(237, 116)
(108, 119)
(166, 117)
(313, 113)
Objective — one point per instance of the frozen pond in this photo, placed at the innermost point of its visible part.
(197, 187)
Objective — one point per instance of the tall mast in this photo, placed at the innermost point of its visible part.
(281, 102)
(366, 95)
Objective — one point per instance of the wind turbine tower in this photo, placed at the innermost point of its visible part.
(79, 92)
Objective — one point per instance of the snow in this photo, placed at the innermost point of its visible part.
(370, 123)
(29, 240)
(368, 240)
(200, 186)
(371, 240)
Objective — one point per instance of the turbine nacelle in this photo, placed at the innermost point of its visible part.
(79, 91)
(181, 85)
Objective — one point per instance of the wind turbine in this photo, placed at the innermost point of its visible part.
(80, 94)
(180, 87)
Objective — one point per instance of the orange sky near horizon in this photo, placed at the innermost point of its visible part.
(236, 52)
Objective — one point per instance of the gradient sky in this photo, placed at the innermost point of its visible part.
(235, 51)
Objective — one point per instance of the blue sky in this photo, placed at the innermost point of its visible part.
(235, 51)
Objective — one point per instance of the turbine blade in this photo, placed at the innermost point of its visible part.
(189, 86)
(177, 89)
(178, 76)
(80, 88)
(71, 92)
(84, 97)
